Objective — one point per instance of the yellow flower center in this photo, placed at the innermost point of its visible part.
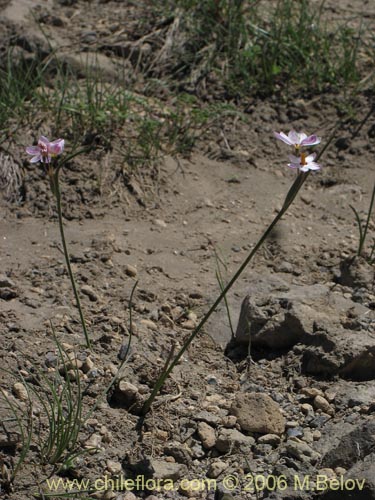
(303, 159)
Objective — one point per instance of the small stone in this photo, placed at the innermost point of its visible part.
(317, 435)
(181, 453)
(216, 468)
(207, 435)
(128, 396)
(149, 324)
(9, 294)
(232, 440)
(330, 473)
(20, 391)
(87, 365)
(307, 409)
(6, 282)
(160, 223)
(301, 451)
(89, 291)
(113, 467)
(311, 392)
(308, 436)
(272, 439)
(340, 471)
(188, 324)
(129, 496)
(93, 441)
(130, 270)
(51, 360)
(257, 412)
(168, 470)
(229, 421)
(208, 417)
(320, 403)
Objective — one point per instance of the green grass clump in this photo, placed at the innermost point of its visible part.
(262, 47)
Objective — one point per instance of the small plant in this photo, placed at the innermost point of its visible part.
(363, 230)
(46, 152)
(303, 163)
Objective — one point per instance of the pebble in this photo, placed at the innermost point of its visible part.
(89, 291)
(207, 435)
(272, 439)
(301, 451)
(312, 392)
(6, 282)
(130, 271)
(168, 470)
(327, 471)
(20, 391)
(148, 323)
(93, 441)
(232, 440)
(307, 409)
(160, 223)
(87, 365)
(320, 403)
(216, 468)
(113, 467)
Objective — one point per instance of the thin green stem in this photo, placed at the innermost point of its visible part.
(57, 193)
(288, 201)
(364, 234)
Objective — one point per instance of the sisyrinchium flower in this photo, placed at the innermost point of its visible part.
(45, 150)
(297, 139)
(304, 162)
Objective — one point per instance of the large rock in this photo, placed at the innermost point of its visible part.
(257, 412)
(344, 444)
(336, 330)
(358, 483)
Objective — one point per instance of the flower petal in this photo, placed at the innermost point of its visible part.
(44, 140)
(283, 137)
(311, 140)
(294, 165)
(310, 158)
(36, 159)
(294, 137)
(56, 147)
(294, 159)
(33, 150)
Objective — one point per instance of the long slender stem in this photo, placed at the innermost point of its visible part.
(288, 201)
(364, 234)
(57, 193)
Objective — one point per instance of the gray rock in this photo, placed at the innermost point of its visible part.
(357, 272)
(232, 441)
(179, 452)
(6, 282)
(280, 316)
(344, 444)
(168, 470)
(257, 412)
(358, 483)
(301, 451)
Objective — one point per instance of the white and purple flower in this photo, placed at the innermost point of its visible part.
(45, 150)
(304, 162)
(297, 139)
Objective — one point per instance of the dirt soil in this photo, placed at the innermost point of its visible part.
(313, 412)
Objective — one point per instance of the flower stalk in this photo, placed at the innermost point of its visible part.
(292, 139)
(55, 186)
(46, 152)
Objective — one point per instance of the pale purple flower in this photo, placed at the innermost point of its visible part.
(304, 163)
(297, 139)
(45, 150)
